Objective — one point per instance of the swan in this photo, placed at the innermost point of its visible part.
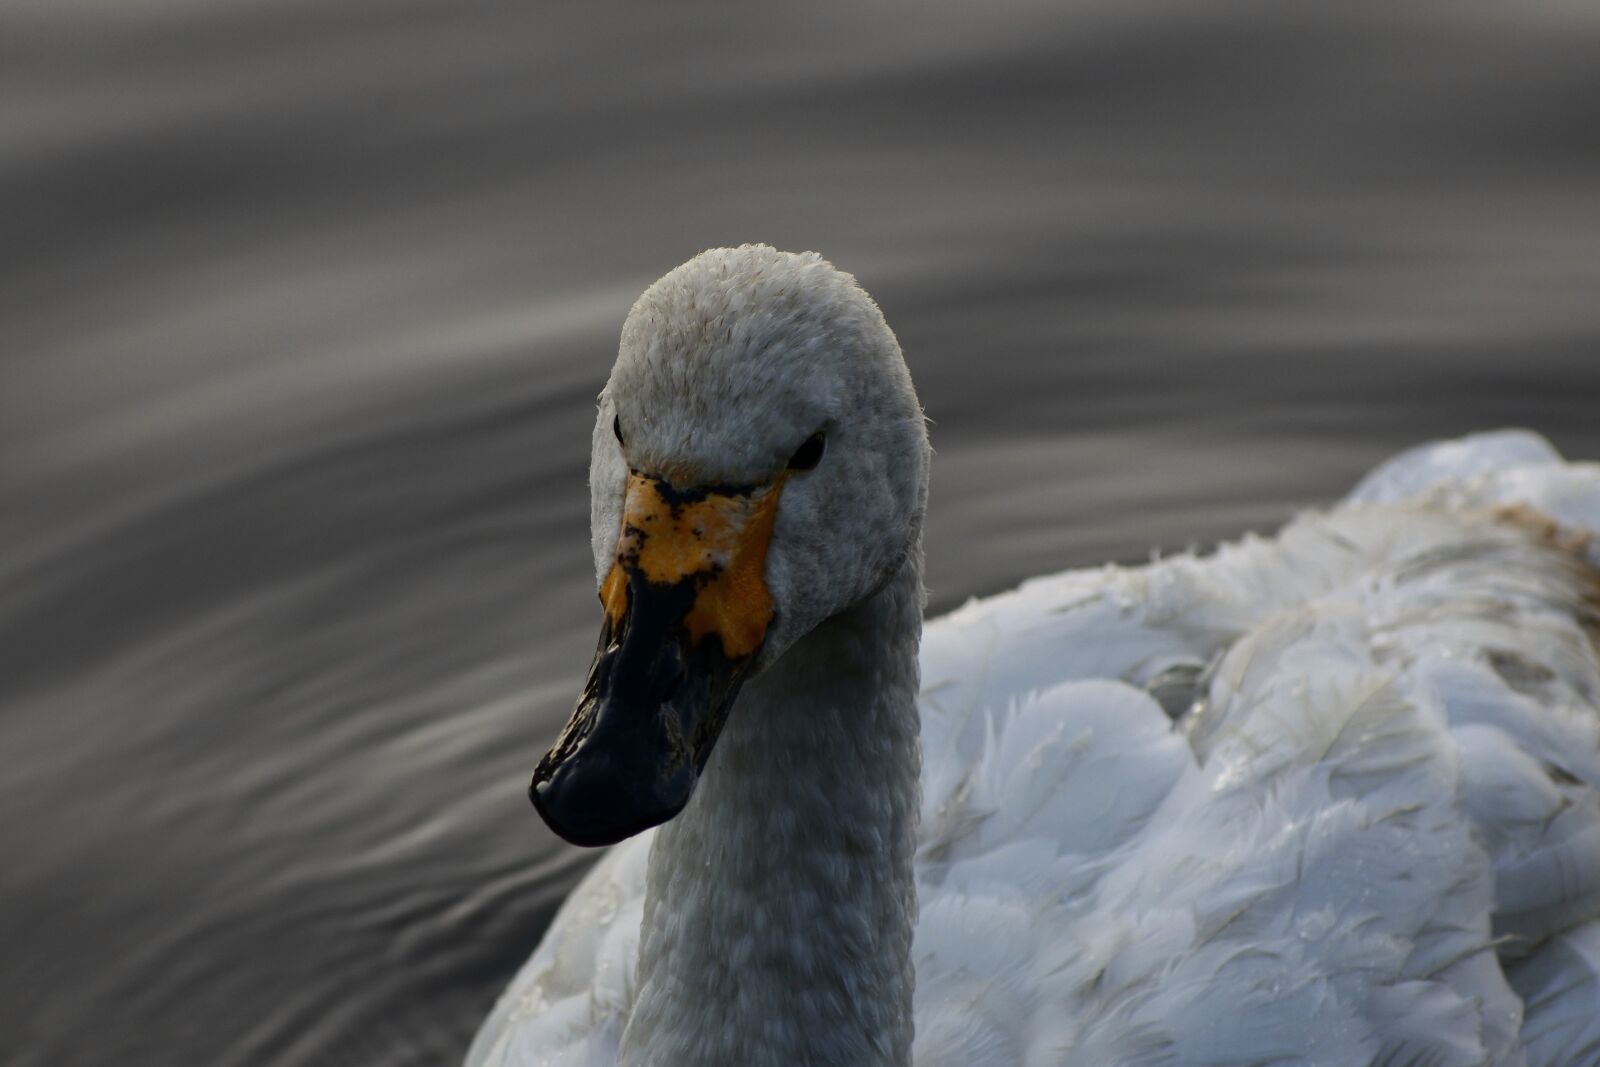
(1327, 798)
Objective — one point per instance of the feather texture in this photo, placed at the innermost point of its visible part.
(1373, 839)
(1371, 836)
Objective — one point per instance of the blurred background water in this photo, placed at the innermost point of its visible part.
(303, 307)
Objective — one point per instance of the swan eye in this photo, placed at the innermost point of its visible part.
(616, 428)
(809, 454)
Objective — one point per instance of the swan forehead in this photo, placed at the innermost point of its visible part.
(730, 361)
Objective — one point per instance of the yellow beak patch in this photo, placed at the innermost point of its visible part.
(718, 541)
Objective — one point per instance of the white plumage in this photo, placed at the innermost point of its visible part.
(1327, 798)
(1374, 838)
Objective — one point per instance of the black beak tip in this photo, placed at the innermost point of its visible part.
(586, 804)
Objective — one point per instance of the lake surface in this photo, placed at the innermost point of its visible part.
(303, 308)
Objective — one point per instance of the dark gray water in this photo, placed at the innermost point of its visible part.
(303, 307)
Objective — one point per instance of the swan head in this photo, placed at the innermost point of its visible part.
(759, 465)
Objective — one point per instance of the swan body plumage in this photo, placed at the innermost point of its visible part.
(1326, 798)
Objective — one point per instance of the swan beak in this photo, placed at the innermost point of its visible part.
(687, 609)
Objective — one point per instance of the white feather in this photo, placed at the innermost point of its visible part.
(1372, 837)
(1388, 794)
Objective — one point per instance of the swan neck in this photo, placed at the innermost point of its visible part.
(780, 903)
